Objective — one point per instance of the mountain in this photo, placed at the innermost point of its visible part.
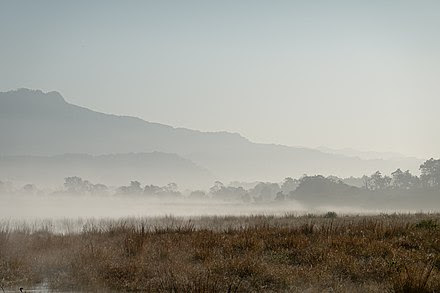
(37, 123)
(116, 169)
(44, 124)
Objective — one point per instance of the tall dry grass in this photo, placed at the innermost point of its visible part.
(394, 253)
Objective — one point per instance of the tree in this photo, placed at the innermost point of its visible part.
(319, 189)
(317, 185)
(152, 190)
(377, 182)
(98, 189)
(133, 188)
(220, 191)
(280, 196)
(398, 179)
(335, 179)
(289, 184)
(75, 184)
(265, 191)
(404, 180)
(218, 186)
(171, 187)
(430, 170)
(366, 180)
(198, 194)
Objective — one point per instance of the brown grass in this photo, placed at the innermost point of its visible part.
(394, 253)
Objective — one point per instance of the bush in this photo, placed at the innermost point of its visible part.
(427, 224)
(331, 215)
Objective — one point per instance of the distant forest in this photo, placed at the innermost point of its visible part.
(311, 189)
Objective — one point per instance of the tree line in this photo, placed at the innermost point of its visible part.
(290, 188)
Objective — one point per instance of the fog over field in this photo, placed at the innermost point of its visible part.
(81, 198)
(30, 208)
(49, 207)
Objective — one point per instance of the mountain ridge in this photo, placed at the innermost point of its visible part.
(56, 127)
(28, 95)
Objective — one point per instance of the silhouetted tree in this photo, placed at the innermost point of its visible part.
(218, 186)
(430, 173)
(198, 194)
(366, 181)
(77, 185)
(280, 196)
(404, 180)
(318, 186)
(152, 190)
(170, 189)
(220, 191)
(354, 181)
(133, 188)
(98, 189)
(289, 184)
(265, 191)
(334, 178)
(377, 182)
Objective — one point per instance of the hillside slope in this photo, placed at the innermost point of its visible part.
(37, 123)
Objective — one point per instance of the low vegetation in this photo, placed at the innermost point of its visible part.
(394, 253)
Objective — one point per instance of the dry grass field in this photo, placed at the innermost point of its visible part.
(394, 253)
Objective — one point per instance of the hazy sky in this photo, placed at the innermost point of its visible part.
(361, 74)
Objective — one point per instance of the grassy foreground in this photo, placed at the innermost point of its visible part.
(395, 253)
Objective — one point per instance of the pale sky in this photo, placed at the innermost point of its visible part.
(358, 74)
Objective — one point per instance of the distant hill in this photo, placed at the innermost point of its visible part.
(40, 123)
(118, 169)
(37, 123)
